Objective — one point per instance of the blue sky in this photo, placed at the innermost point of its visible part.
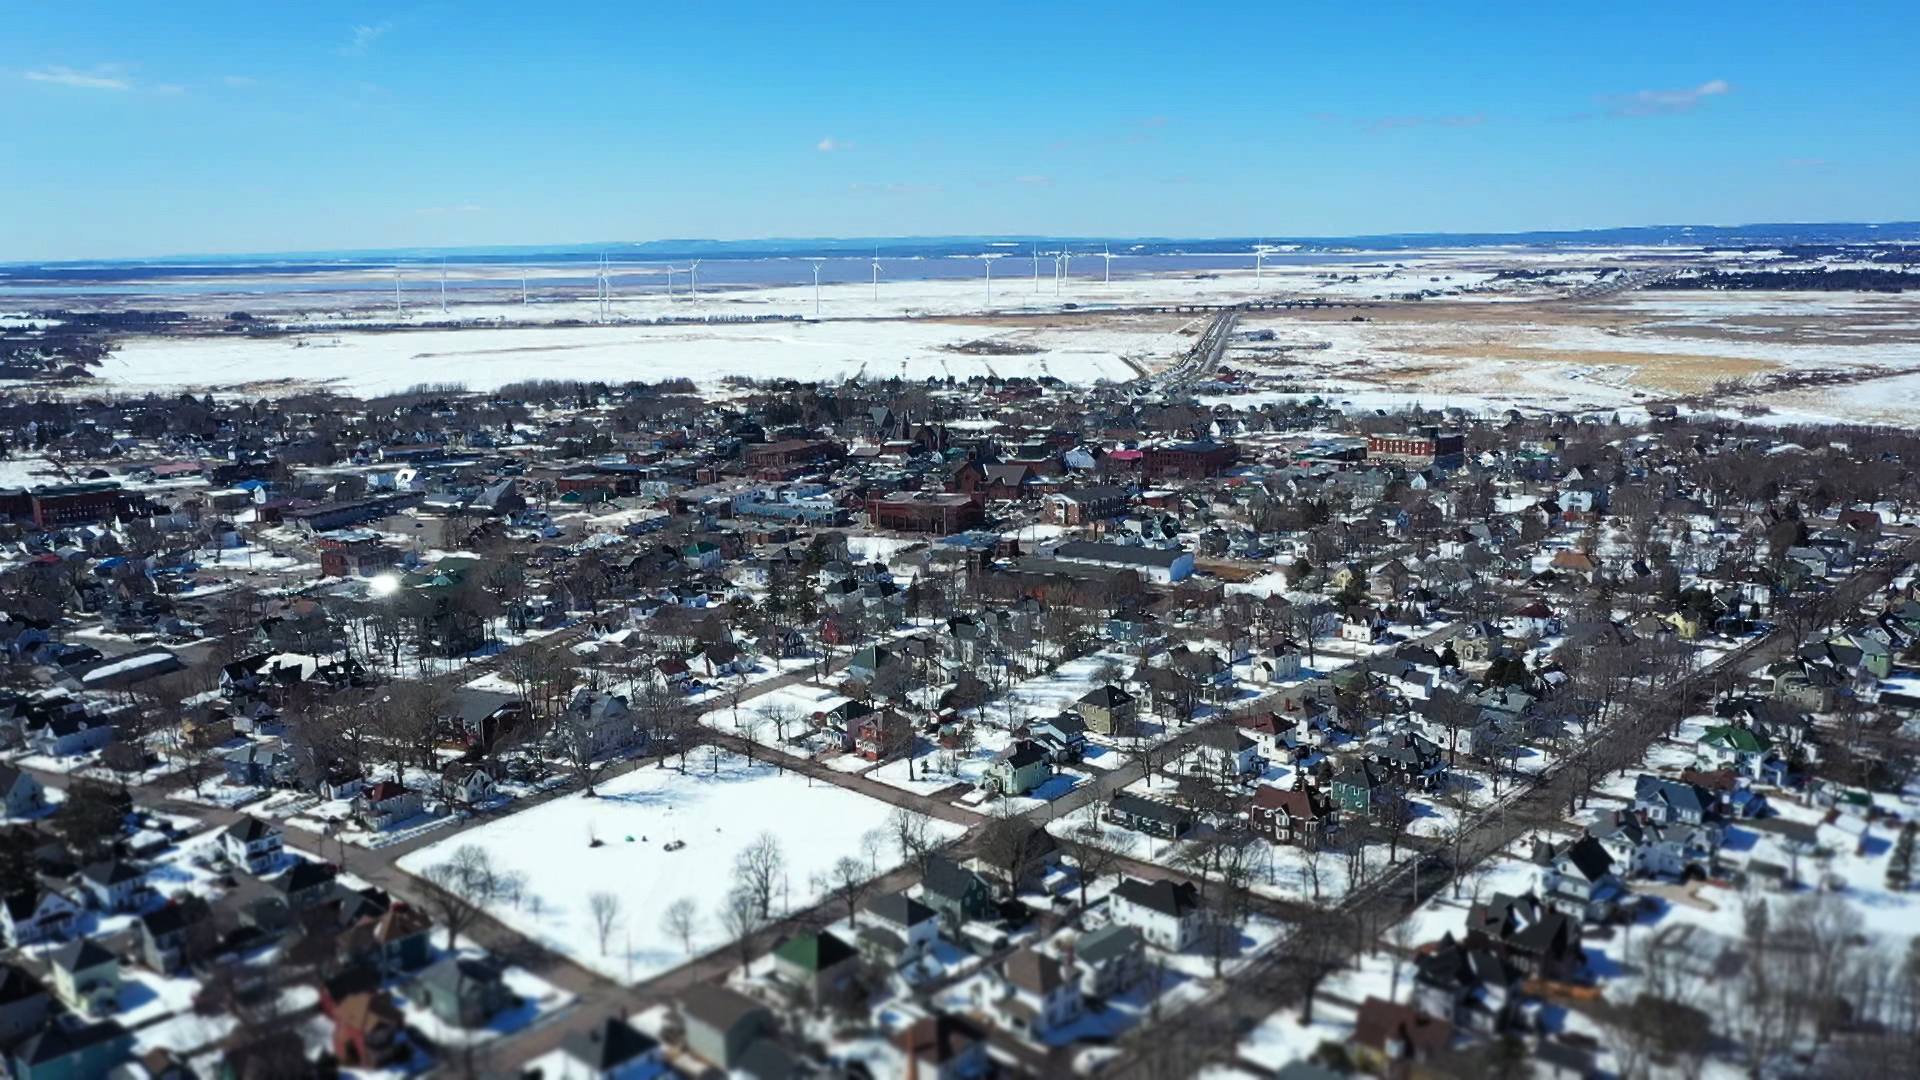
(139, 129)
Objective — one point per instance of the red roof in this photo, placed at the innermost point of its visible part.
(384, 790)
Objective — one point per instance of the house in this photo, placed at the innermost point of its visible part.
(72, 734)
(21, 793)
(368, 1031)
(385, 804)
(463, 991)
(1064, 736)
(1019, 769)
(261, 763)
(882, 735)
(23, 1003)
(1166, 913)
(114, 885)
(819, 965)
(1035, 994)
(615, 1050)
(1389, 1038)
(1154, 817)
(304, 884)
(1472, 987)
(1108, 710)
(86, 977)
(253, 845)
(1666, 801)
(67, 1049)
(1539, 941)
(944, 1047)
(163, 934)
(38, 913)
(955, 894)
(1299, 816)
(899, 930)
(466, 783)
(1727, 746)
(1110, 959)
(1642, 847)
(1356, 788)
(1227, 752)
(396, 940)
(1578, 879)
(722, 1024)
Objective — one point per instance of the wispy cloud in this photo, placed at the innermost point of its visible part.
(104, 77)
(1033, 180)
(240, 82)
(1643, 103)
(894, 189)
(363, 38)
(436, 210)
(830, 145)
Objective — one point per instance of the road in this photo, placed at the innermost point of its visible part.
(1264, 986)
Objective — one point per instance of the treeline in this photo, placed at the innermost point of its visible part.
(1824, 279)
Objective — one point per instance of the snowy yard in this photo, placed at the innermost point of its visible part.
(715, 814)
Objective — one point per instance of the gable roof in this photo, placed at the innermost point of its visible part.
(1166, 897)
(609, 1046)
(815, 952)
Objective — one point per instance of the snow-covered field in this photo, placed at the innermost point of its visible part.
(716, 815)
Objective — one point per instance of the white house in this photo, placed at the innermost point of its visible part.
(899, 928)
(36, 915)
(466, 784)
(1035, 994)
(1167, 914)
(114, 885)
(254, 844)
(20, 792)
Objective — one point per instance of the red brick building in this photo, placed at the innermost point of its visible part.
(1418, 448)
(1188, 460)
(925, 511)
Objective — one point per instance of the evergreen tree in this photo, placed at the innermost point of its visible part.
(1900, 863)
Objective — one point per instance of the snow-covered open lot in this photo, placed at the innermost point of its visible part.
(716, 815)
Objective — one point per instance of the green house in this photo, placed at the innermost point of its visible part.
(77, 1052)
(1355, 788)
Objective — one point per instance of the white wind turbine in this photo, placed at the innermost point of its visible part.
(1259, 259)
(1106, 253)
(1036, 268)
(398, 308)
(876, 274)
(443, 286)
(693, 278)
(816, 288)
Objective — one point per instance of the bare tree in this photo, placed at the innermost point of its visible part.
(758, 869)
(849, 881)
(605, 907)
(740, 918)
(456, 889)
(1094, 853)
(912, 836)
(681, 920)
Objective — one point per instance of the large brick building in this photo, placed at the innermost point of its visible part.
(1188, 460)
(925, 511)
(66, 504)
(790, 457)
(1431, 447)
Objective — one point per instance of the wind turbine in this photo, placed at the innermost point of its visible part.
(1036, 268)
(1106, 253)
(816, 288)
(443, 286)
(669, 281)
(693, 278)
(398, 308)
(1259, 260)
(988, 259)
(1066, 261)
(876, 274)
